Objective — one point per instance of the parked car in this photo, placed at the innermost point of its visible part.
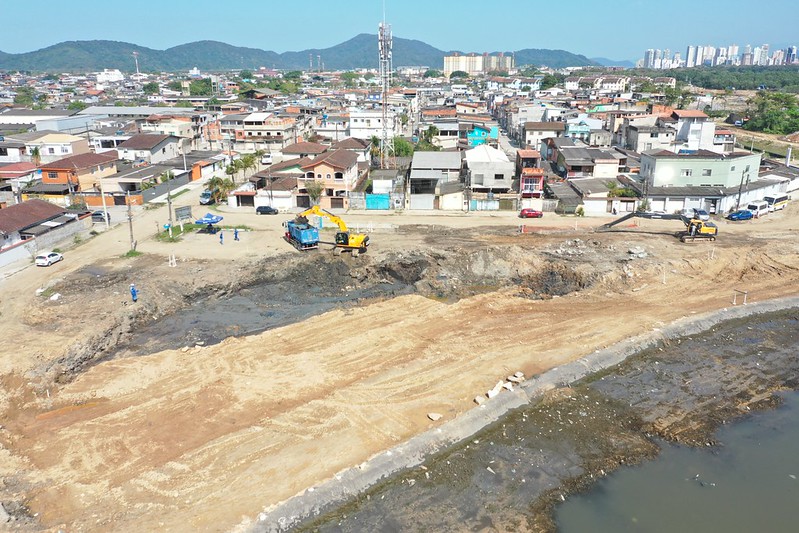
(266, 159)
(101, 216)
(701, 214)
(743, 214)
(530, 213)
(265, 210)
(206, 197)
(48, 258)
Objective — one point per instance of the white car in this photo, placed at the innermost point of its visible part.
(48, 258)
(266, 159)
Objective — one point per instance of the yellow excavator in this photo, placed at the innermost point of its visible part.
(355, 243)
(695, 228)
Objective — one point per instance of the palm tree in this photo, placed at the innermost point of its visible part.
(36, 156)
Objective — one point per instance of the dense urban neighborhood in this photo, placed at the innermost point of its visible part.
(196, 340)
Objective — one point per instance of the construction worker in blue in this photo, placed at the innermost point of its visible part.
(134, 294)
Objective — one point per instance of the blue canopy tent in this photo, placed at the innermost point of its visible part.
(209, 220)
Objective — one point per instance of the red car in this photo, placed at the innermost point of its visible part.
(530, 213)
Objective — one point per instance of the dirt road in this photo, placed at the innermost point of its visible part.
(205, 437)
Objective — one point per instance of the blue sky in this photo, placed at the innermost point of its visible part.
(620, 29)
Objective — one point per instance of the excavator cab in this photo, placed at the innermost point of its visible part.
(343, 238)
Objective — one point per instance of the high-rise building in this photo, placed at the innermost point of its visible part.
(690, 57)
(778, 57)
(649, 58)
(791, 55)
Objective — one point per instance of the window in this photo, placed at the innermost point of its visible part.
(706, 172)
(318, 176)
(327, 177)
(686, 172)
(499, 177)
(52, 175)
(51, 150)
(64, 149)
(3, 151)
(732, 168)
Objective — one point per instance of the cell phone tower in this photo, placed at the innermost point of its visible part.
(384, 42)
(136, 59)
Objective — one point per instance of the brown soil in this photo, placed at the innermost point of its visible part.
(205, 437)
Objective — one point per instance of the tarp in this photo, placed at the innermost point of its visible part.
(209, 218)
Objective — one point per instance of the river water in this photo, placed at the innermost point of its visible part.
(748, 483)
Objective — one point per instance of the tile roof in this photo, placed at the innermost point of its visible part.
(351, 143)
(689, 113)
(342, 159)
(304, 148)
(20, 216)
(144, 141)
(81, 161)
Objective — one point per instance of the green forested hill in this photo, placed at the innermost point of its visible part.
(360, 51)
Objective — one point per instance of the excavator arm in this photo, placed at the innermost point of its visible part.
(645, 214)
(316, 210)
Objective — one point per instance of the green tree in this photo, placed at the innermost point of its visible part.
(220, 188)
(500, 73)
(295, 75)
(432, 73)
(314, 189)
(245, 75)
(25, 96)
(402, 147)
(459, 74)
(150, 88)
(174, 86)
(773, 112)
(549, 81)
(349, 78)
(248, 162)
(77, 105)
(201, 87)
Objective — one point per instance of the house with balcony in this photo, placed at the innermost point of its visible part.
(265, 131)
(724, 141)
(81, 172)
(575, 159)
(337, 171)
(530, 174)
(694, 130)
(359, 147)
(368, 123)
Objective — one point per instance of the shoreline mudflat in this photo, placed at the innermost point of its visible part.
(609, 418)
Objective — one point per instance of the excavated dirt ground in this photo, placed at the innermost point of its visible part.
(185, 411)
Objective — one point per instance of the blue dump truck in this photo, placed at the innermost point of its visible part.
(301, 235)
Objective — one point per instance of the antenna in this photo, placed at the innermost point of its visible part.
(310, 61)
(385, 42)
(136, 59)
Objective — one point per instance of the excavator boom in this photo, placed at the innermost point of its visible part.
(696, 229)
(355, 243)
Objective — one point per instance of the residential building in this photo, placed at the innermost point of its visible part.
(488, 170)
(149, 148)
(530, 173)
(647, 138)
(337, 170)
(80, 172)
(50, 145)
(302, 150)
(432, 176)
(535, 132)
(265, 131)
(368, 123)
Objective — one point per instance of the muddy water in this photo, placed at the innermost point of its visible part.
(251, 310)
(512, 474)
(749, 483)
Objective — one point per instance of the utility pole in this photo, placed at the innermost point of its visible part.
(130, 224)
(105, 208)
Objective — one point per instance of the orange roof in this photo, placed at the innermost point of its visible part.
(689, 113)
(529, 153)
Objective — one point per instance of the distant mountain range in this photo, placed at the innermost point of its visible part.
(605, 62)
(360, 51)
